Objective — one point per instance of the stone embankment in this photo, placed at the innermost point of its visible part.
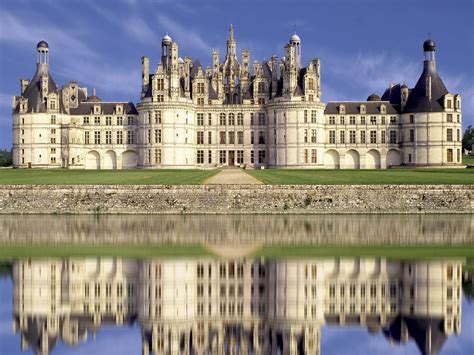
(236, 199)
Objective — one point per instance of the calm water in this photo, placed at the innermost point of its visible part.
(234, 303)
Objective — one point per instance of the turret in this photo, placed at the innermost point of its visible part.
(165, 50)
(295, 43)
(145, 72)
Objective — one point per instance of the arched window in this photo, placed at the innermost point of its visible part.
(261, 87)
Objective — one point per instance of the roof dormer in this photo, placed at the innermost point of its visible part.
(342, 109)
(362, 109)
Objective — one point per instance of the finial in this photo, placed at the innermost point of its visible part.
(231, 32)
(93, 92)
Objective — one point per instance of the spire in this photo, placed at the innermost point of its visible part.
(231, 43)
(231, 33)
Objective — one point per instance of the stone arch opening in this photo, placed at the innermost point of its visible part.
(110, 160)
(129, 159)
(393, 158)
(372, 159)
(331, 159)
(93, 160)
(352, 159)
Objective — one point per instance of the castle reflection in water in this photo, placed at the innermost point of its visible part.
(241, 306)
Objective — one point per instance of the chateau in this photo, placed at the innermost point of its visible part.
(238, 306)
(237, 112)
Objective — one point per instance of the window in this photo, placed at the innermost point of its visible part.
(148, 138)
(412, 135)
(261, 101)
(209, 137)
(393, 137)
(222, 158)
(362, 137)
(130, 121)
(200, 137)
(240, 137)
(240, 119)
(373, 119)
(221, 137)
(261, 118)
(209, 156)
(85, 120)
(157, 135)
(86, 138)
(313, 116)
(231, 119)
(383, 120)
(412, 118)
(160, 84)
(261, 137)
(450, 104)
(393, 120)
(314, 156)
(341, 120)
(450, 155)
(261, 87)
(313, 136)
(119, 121)
(200, 101)
(130, 137)
(305, 117)
(305, 156)
(240, 157)
(352, 137)
(373, 137)
(449, 135)
(53, 119)
(96, 137)
(305, 136)
(332, 137)
(108, 121)
(383, 135)
(362, 119)
(119, 137)
(53, 150)
(53, 160)
(200, 88)
(231, 137)
(352, 120)
(222, 119)
(311, 84)
(209, 119)
(251, 138)
(97, 120)
(200, 119)
(342, 137)
(261, 157)
(157, 156)
(108, 137)
(200, 156)
(158, 117)
(252, 156)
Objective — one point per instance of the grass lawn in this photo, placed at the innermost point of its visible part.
(468, 159)
(128, 251)
(397, 252)
(103, 177)
(364, 177)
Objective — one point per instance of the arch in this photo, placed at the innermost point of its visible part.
(352, 159)
(93, 160)
(110, 160)
(129, 159)
(331, 159)
(393, 158)
(372, 159)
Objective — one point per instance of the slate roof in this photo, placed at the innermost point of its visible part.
(108, 108)
(353, 107)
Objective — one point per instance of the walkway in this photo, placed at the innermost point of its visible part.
(232, 177)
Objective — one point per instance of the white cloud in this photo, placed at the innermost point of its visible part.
(188, 37)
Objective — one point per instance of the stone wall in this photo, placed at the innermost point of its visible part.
(236, 199)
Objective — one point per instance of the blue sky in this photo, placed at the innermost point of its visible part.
(363, 45)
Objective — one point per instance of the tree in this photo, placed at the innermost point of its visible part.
(468, 138)
(6, 158)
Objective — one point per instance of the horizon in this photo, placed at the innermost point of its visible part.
(106, 53)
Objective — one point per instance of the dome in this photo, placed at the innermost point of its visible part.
(429, 46)
(42, 45)
(374, 97)
(166, 39)
(295, 38)
(180, 60)
(94, 97)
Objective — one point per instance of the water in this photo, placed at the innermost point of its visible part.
(238, 301)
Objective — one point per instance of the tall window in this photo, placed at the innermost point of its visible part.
(160, 84)
(119, 137)
(130, 137)
(373, 119)
(158, 117)
(332, 137)
(222, 158)
(352, 137)
(341, 120)
(240, 119)
(261, 118)
(261, 157)
(231, 119)
(412, 135)
(261, 137)
(261, 87)
(450, 155)
(96, 137)
(342, 137)
(85, 120)
(200, 88)
(314, 156)
(86, 138)
(222, 119)
(157, 135)
(383, 136)
(352, 120)
(393, 136)
(221, 137)
(373, 137)
(311, 84)
(362, 137)
(119, 121)
(240, 157)
(305, 136)
(332, 120)
(157, 156)
(200, 156)
(231, 137)
(449, 135)
(313, 116)
(200, 119)
(313, 136)
(240, 137)
(200, 137)
(209, 137)
(108, 137)
(108, 121)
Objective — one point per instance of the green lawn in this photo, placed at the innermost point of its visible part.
(363, 177)
(468, 159)
(397, 252)
(129, 251)
(103, 177)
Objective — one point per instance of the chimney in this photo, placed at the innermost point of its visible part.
(24, 83)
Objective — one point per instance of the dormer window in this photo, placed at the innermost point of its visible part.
(119, 109)
(362, 109)
(342, 109)
(449, 104)
(383, 109)
(97, 109)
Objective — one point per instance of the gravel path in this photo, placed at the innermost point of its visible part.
(232, 177)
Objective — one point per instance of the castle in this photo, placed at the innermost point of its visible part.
(237, 306)
(237, 113)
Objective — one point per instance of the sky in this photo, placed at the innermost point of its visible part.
(363, 45)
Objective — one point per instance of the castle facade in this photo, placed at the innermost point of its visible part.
(237, 113)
